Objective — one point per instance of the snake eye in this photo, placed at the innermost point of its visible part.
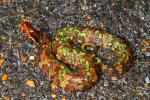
(106, 55)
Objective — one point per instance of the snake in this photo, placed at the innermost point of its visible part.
(76, 56)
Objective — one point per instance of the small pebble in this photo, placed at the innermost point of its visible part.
(147, 80)
(3, 1)
(106, 83)
(23, 94)
(30, 83)
(6, 98)
(53, 95)
(32, 58)
(142, 18)
(4, 77)
(46, 8)
(146, 85)
(113, 78)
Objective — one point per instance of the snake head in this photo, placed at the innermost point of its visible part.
(30, 32)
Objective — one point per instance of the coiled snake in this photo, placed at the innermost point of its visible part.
(73, 56)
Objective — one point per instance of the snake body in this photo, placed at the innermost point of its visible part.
(71, 58)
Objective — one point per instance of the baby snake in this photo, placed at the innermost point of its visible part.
(75, 55)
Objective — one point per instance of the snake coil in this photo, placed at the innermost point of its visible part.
(71, 57)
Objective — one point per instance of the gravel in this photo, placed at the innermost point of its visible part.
(127, 18)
